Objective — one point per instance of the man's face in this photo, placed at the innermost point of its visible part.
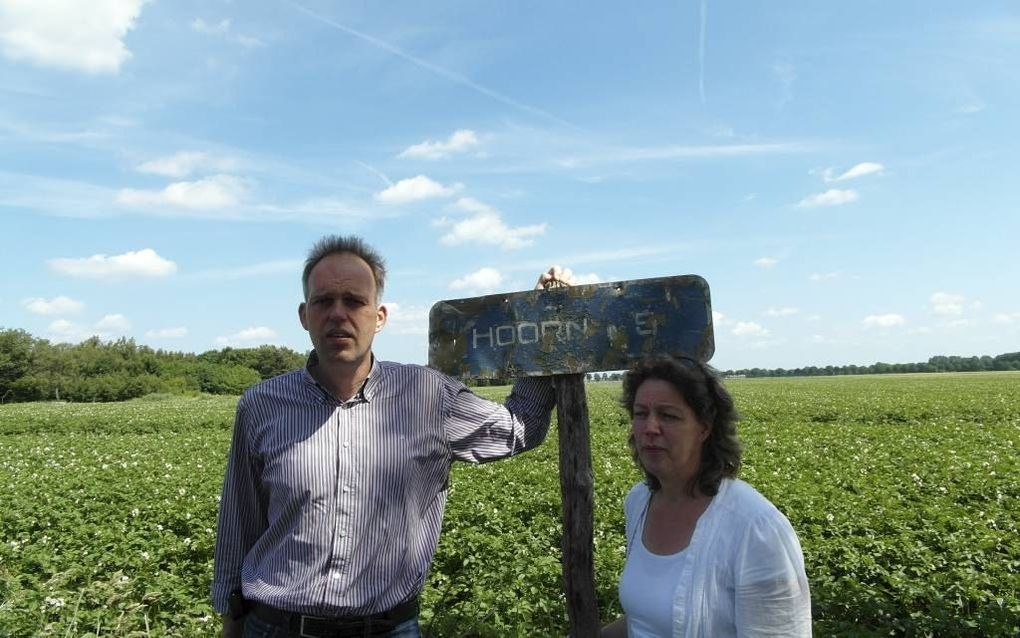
(341, 314)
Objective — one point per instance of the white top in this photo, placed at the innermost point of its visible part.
(743, 574)
(646, 590)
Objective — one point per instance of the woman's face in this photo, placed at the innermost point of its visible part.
(667, 433)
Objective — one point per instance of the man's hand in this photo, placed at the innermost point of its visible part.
(555, 277)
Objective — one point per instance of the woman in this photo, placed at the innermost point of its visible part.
(707, 555)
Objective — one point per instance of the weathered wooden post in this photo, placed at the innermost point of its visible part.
(565, 333)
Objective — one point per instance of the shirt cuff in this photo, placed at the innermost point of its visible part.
(221, 596)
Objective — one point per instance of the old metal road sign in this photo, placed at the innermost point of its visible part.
(571, 330)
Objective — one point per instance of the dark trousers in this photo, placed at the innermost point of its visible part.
(257, 628)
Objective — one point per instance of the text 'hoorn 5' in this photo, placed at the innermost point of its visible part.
(525, 332)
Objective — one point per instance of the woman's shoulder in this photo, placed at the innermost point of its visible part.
(741, 500)
(749, 524)
(636, 497)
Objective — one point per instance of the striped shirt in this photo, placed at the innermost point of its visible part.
(334, 508)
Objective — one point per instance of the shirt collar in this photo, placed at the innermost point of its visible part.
(365, 392)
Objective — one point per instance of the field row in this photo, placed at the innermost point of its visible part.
(903, 490)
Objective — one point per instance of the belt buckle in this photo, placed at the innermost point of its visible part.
(302, 633)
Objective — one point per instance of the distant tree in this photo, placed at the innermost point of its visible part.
(15, 359)
(269, 361)
(218, 378)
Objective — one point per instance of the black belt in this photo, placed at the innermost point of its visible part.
(309, 626)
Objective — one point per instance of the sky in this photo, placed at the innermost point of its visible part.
(839, 173)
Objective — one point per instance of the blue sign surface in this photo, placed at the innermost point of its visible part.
(571, 330)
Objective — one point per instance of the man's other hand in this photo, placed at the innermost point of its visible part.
(555, 277)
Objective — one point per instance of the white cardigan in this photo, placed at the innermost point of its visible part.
(745, 573)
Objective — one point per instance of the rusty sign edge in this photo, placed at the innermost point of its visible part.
(451, 363)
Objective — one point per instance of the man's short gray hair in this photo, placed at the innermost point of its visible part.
(351, 245)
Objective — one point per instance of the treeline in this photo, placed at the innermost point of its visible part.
(36, 370)
(1002, 362)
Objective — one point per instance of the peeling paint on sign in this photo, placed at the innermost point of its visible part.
(571, 330)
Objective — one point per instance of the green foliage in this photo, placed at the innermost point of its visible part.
(15, 358)
(268, 361)
(903, 491)
(36, 370)
(1001, 363)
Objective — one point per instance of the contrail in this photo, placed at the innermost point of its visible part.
(438, 70)
(701, 53)
(375, 171)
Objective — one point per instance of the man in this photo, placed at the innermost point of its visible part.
(336, 480)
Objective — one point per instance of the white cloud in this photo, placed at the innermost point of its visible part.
(460, 141)
(49, 134)
(748, 328)
(860, 170)
(884, 321)
(1006, 318)
(113, 323)
(681, 153)
(64, 329)
(828, 276)
(971, 106)
(781, 312)
(820, 339)
(184, 163)
(583, 280)
(200, 25)
(719, 319)
(215, 192)
(766, 262)
(326, 210)
(223, 29)
(247, 337)
(68, 34)
(831, 197)
(482, 280)
(946, 305)
(107, 328)
(56, 306)
(813, 318)
(276, 267)
(414, 189)
(167, 333)
(486, 226)
(786, 74)
(410, 320)
(141, 263)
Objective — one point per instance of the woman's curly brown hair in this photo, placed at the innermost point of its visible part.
(701, 388)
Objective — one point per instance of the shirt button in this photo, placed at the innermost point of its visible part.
(337, 576)
(347, 444)
(346, 489)
(343, 534)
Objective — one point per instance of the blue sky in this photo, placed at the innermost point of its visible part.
(839, 173)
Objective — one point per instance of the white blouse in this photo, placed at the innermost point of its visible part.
(646, 589)
(742, 573)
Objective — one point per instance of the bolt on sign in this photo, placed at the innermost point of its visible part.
(573, 329)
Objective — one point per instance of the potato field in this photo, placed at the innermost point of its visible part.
(903, 489)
